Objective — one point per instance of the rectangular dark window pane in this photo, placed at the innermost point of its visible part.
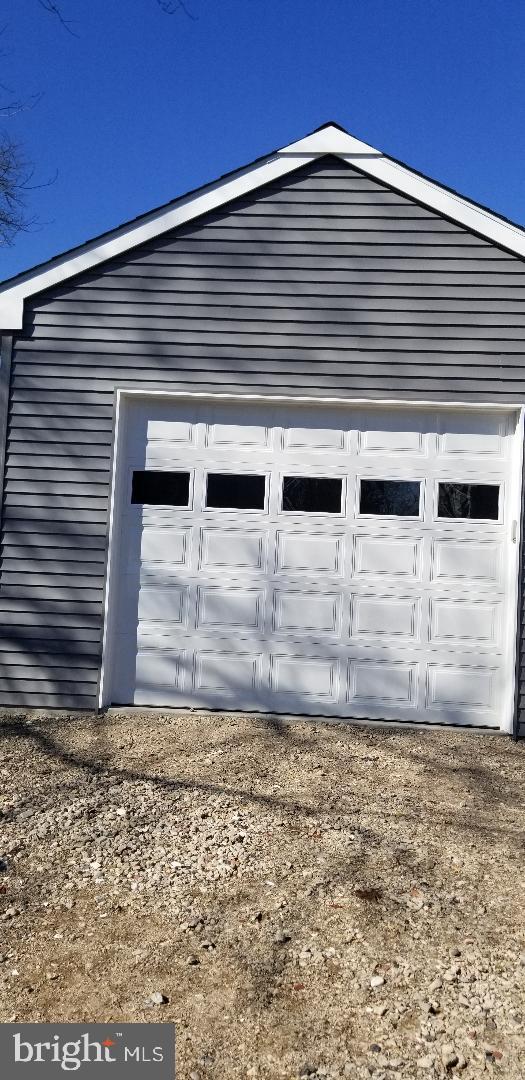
(235, 491)
(468, 501)
(312, 494)
(394, 498)
(160, 488)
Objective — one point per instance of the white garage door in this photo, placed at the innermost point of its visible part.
(316, 560)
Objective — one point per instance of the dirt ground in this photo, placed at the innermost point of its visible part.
(312, 899)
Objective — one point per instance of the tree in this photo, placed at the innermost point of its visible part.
(15, 171)
(14, 187)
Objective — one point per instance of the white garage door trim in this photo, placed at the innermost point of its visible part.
(125, 396)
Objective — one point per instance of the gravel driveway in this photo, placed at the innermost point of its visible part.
(302, 899)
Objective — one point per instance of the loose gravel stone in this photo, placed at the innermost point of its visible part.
(158, 998)
(449, 1056)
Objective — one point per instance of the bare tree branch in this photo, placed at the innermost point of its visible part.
(12, 108)
(14, 176)
(170, 7)
(53, 9)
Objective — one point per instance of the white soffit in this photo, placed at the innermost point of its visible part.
(330, 139)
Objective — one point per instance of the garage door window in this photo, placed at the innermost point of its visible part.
(478, 501)
(312, 494)
(161, 488)
(235, 491)
(390, 498)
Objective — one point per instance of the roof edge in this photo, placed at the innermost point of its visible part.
(328, 139)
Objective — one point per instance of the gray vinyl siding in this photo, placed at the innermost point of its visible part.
(324, 283)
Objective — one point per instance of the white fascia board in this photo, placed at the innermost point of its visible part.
(329, 140)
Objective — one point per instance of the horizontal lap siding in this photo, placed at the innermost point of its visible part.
(325, 283)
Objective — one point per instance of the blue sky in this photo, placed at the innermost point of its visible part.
(141, 106)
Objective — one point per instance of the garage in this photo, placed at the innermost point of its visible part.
(264, 451)
(335, 560)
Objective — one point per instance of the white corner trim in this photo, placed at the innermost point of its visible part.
(329, 140)
(108, 609)
(513, 575)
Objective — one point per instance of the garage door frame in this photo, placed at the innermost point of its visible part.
(124, 395)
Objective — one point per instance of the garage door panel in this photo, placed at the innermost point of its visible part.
(232, 549)
(376, 615)
(375, 443)
(375, 683)
(387, 557)
(471, 446)
(314, 439)
(229, 608)
(465, 622)
(159, 671)
(463, 436)
(309, 553)
(170, 432)
(457, 690)
(165, 545)
(465, 561)
(304, 678)
(168, 443)
(307, 605)
(307, 612)
(232, 436)
(163, 603)
(228, 671)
